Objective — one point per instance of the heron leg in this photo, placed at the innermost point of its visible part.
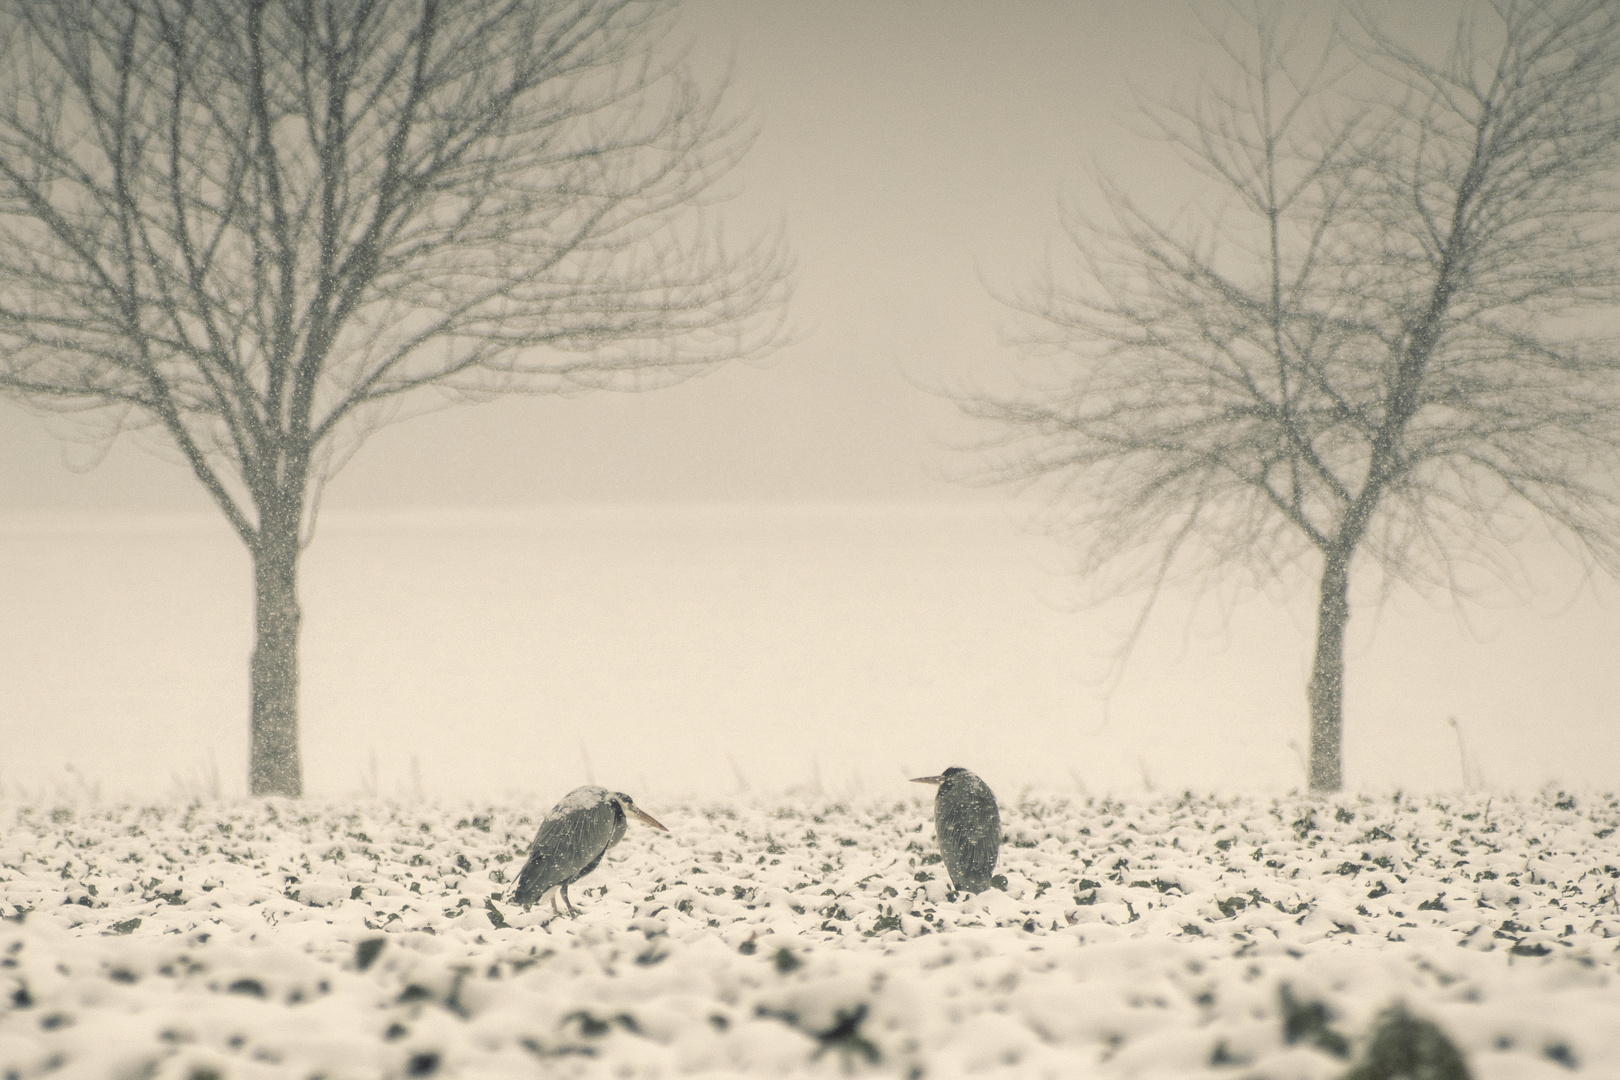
(572, 914)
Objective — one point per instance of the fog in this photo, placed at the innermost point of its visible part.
(674, 650)
(771, 576)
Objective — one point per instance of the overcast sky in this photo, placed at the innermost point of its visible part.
(914, 151)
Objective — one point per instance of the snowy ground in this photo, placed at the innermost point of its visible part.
(1160, 937)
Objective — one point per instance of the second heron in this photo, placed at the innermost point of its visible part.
(968, 826)
(572, 839)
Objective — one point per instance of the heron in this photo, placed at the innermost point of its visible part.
(968, 826)
(572, 839)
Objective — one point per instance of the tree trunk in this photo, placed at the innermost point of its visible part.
(1325, 693)
(274, 764)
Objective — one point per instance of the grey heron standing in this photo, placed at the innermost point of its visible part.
(968, 826)
(572, 839)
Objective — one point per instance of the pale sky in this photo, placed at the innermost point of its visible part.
(915, 152)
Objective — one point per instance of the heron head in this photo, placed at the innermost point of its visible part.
(954, 770)
(629, 806)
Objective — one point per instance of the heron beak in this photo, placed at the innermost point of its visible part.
(647, 818)
(928, 780)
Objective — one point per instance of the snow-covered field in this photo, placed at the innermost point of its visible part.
(1156, 937)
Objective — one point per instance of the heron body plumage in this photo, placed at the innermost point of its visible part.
(571, 841)
(967, 824)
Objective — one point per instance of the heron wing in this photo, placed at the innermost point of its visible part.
(570, 842)
(969, 828)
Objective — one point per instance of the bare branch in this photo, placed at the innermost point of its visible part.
(1377, 346)
(255, 222)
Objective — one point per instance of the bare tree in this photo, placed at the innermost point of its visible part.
(1370, 342)
(263, 229)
